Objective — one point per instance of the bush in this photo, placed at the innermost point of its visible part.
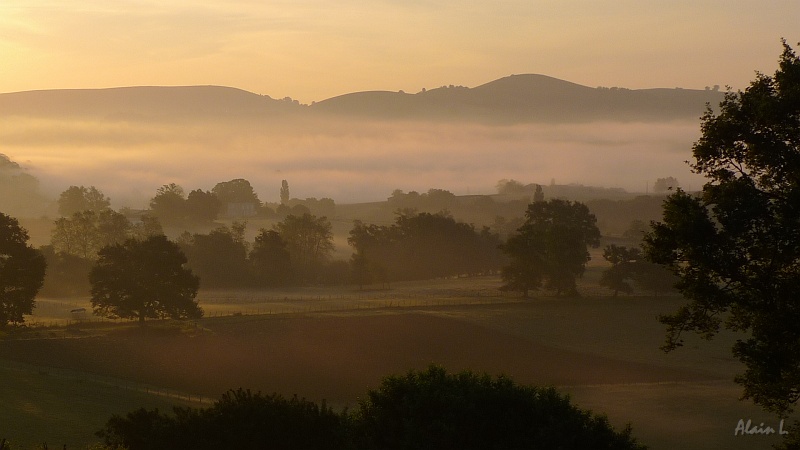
(421, 410)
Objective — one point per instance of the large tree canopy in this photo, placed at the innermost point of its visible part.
(22, 271)
(550, 248)
(736, 247)
(144, 279)
(77, 199)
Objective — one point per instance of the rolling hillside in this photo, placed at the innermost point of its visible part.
(517, 98)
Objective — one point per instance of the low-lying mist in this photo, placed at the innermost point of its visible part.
(349, 161)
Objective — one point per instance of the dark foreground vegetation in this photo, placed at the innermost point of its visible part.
(431, 409)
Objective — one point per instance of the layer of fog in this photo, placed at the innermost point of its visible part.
(346, 161)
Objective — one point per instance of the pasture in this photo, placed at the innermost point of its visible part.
(334, 344)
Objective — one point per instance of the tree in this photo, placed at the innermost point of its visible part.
(735, 247)
(665, 184)
(284, 192)
(270, 259)
(623, 267)
(423, 410)
(169, 205)
(433, 409)
(550, 248)
(236, 191)
(86, 232)
(77, 199)
(202, 206)
(538, 195)
(22, 270)
(309, 240)
(22, 194)
(144, 279)
(240, 420)
(219, 258)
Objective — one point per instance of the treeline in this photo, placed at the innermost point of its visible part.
(422, 246)
(296, 251)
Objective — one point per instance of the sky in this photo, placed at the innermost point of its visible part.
(311, 50)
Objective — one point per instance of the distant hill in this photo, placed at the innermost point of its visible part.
(517, 98)
(528, 98)
(145, 102)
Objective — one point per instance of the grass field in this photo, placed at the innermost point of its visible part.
(337, 343)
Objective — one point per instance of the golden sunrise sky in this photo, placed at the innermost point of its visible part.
(314, 49)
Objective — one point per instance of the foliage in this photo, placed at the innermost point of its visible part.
(665, 184)
(431, 409)
(309, 240)
(421, 246)
(169, 205)
(202, 206)
(22, 270)
(219, 258)
(236, 191)
(550, 248)
(433, 200)
(144, 279)
(270, 259)
(239, 420)
(22, 194)
(284, 192)
(735, 247)
(85, 233)
(77, 199)
(629, 264)
(146, 227)
(623, 267)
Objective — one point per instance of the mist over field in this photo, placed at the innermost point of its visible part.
(345, 159)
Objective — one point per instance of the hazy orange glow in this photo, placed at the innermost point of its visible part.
(346, 161)
(312, 50)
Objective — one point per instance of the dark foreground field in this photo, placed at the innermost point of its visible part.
(603, 351)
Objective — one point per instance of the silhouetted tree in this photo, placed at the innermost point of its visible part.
(85, 233)
(421, 246)
(219, 258)
(169, 205)
(22, 194)
(144, 279)
(236, 191)
(309, 240)
(426, 410)
(538, 195)
(550, 248)
(284, 192)
(239, 420)
(665, 184)
(624, 262)
(433, 409)
(735, 247)
(270, 259)
(22, 270)
(79, 198)
(202, 206)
